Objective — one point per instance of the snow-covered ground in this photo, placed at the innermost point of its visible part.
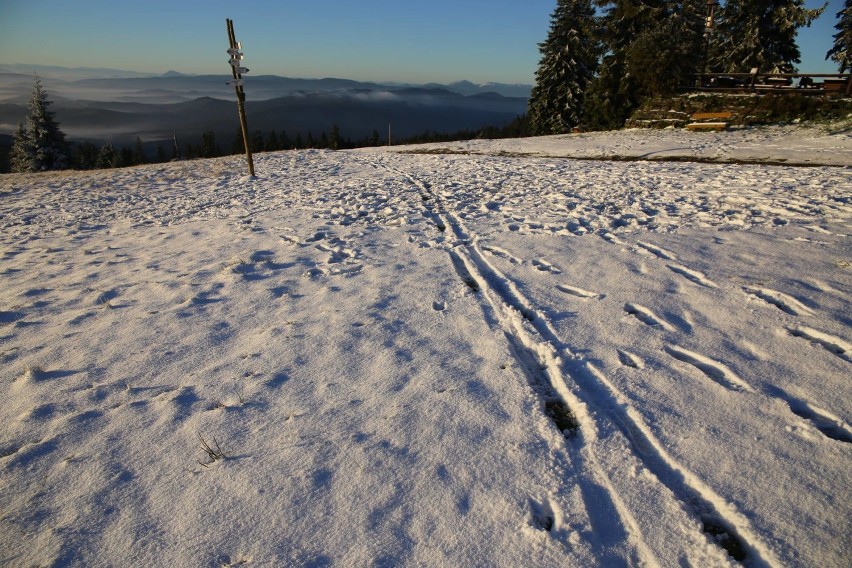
(380, 351)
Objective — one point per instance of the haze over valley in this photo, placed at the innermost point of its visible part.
(117, 106)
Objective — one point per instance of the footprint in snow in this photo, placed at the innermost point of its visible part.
(609, 237)
(261, 256)
(782, 301)
(630, 360)
(692, 275)
(318, 236)
(502, 253)
(646, 316)
(541, 515)
(337, 254)
(831, 425)
(578, 292)
(104, 298)
(545, 266)
(829, 342)
(658, 251)
(714, 370)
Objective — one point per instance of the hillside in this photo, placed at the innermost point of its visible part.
(483, 353)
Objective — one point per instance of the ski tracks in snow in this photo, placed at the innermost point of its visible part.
(556, 372)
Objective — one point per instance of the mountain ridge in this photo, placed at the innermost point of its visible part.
(67, 81)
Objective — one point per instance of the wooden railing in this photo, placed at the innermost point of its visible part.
(801, 83)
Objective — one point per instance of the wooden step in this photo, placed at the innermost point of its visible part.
(717, 126)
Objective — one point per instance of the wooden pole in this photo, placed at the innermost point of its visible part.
(241, 96)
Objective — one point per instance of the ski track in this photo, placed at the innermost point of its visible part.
(581, 385)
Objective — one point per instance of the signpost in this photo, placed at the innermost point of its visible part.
(237, 82)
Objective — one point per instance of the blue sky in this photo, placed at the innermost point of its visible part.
(376, 40)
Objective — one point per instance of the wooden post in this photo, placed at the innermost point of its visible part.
(238, 87)
(708, 33)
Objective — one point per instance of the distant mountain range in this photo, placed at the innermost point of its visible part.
(107, 104)
(104, 84)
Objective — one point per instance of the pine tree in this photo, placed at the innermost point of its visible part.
(20, 157)
(651, 48)
(664, 55)
(85, 155)
(610, 98)
(238, 146)
(257, 143)
(5, 150)
(759, 34)
(615, 92)
(840, 51)
(139, 153)
(334, 141)
(272, 143)
(106, 156)
(41, 146)
(208, 144)
(125, 158)
(569, 59)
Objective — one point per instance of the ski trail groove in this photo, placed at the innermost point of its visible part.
(541, 364)
(727, 527)
(523, 324)
(509, 311)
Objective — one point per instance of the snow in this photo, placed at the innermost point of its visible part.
(377, 346)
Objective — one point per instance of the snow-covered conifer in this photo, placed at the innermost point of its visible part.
(667, 49)
(106, 156)
(651, 48)
(569, 59)
(759, 34)
(20, 158)
(44, 147)
(840, 51)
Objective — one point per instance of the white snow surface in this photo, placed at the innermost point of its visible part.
(377, 348)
